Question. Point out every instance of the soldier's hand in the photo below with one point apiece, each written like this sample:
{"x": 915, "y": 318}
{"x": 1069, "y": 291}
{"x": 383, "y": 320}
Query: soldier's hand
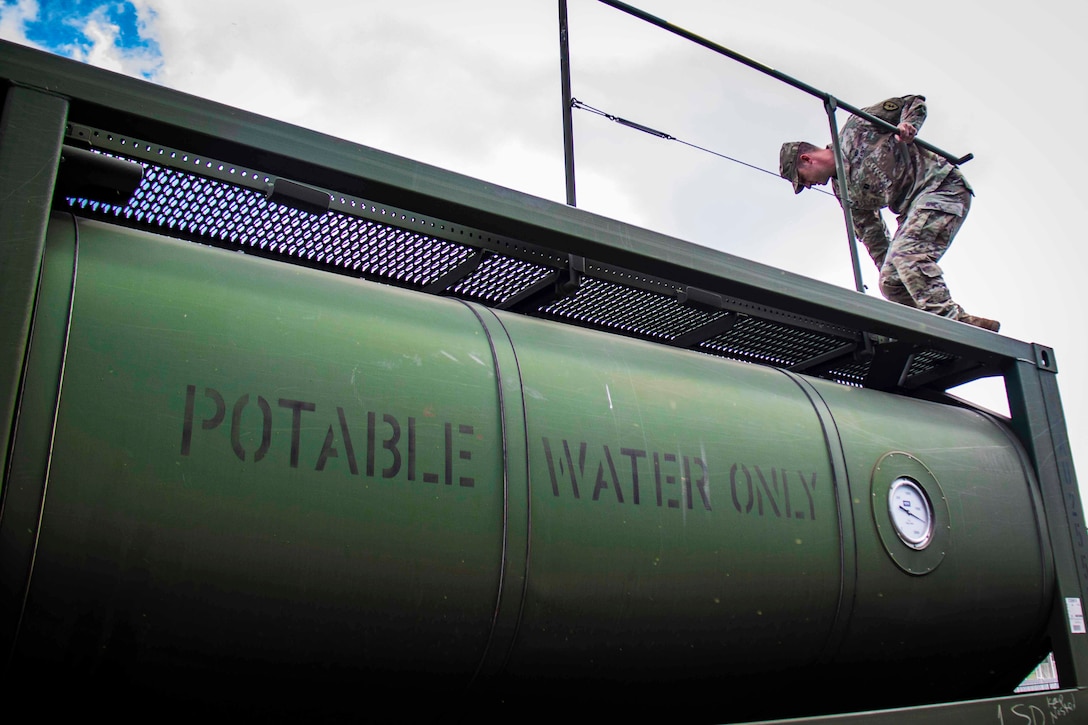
{"x": 907, "y": 132}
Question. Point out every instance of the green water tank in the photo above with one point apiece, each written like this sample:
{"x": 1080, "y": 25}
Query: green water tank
{"x": 266, "y": 478}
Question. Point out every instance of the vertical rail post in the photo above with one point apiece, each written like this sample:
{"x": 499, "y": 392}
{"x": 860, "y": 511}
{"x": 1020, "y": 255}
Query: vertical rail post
{"x": 1039, "y": 422}
{"x": 31, "y": 135}
{"x": 568, "y": 121}
{"x": 830, "y": 104}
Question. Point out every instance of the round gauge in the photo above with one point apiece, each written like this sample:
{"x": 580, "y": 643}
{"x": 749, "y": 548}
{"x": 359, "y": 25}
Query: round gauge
{"x": 907, "y": 499}
{"x": 911, "y": 513}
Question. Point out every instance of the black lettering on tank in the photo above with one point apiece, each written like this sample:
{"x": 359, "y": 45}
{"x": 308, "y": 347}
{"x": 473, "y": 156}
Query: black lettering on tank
{"x": 447, "y": 458}
{"x": 685, "y": 480}
{"x": 371, "y": 424}
{"x": 786, "y": 495}
{"x": 673, "y": 503}
{"x": 296, "y": 407}
{"x": 570, "y": 464}
{"x": 457, "y": 451}
{"x": 411, "y": 448}
{"x": 808, "y": 486}
{"x": 327, "y": 451}
{"x": 701, "y": 483}
{"x": 761, "y": 489}
{"x": 634, "y": 454}
{"x": 554, "y": 472}
{"x": 349, "y": 449}
{"x": 187, "y": 422}
{"x": 449, "y": 454}
{"x": 547, "y": 459}
{"x": 430, "y": 477}
{"x": 602, "y": 483}
{"x": 745, "y": 508}
{"x": 657, "y": 477}
{"x": 765, "y": 488}
{"x": 666, "y": 480}
{"x": 465, "y": 455}
{"x": 390, "y": 444}
{"x": 236, "y": 428}
{"x": 220, "y": 409}
{"x": 206, "y": 424}
{"x": 235, "y": 425}
{"x": 266, "y": 429}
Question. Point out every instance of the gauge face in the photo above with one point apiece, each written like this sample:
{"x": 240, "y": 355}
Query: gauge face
{"x": 911, "y": 513}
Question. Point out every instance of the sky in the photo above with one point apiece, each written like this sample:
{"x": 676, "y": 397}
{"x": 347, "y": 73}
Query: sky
{"x": 473, "y": 86}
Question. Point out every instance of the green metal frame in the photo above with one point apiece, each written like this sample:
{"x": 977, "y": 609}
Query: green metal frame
{"x": 31, "y": 134}
{"x": 44, "y": 93}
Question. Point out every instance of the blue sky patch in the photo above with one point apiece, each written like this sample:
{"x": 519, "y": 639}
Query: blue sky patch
{"x": 59, "y": 26}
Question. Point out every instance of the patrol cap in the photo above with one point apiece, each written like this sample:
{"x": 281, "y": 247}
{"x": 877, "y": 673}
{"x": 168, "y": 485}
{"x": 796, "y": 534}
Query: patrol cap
{"x": 787, "y": 165}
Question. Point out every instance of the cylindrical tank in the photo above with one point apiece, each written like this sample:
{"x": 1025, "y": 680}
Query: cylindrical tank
{"x": 268, "y": 478}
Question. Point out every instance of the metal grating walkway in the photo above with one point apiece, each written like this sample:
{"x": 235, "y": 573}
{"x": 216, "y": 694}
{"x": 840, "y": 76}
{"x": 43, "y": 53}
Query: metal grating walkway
{"x": 215, "y": 202}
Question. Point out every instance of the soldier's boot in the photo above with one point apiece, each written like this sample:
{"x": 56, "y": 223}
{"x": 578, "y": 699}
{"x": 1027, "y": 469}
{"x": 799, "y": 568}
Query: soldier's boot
{"x": 985, "y": 324}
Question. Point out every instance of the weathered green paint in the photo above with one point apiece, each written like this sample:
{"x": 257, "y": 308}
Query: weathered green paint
{"x": 996, "y": 577}
{"x": 280, "y": 471}
{"x": 30, "y": 455}
{"x": 201, "y": 554}
{"x": 674, "y": 557}
{"x": 31, "y": 129}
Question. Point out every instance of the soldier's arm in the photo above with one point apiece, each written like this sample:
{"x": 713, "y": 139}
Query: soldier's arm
{"x": 901, "y": 109}
{"x": 913, "y": 111}
{"x": 870, "y": 229}
{"x": 911, "y": 117}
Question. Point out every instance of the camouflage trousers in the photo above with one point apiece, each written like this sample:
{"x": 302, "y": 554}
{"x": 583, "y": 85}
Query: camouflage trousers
{"x": 910, "y": 274}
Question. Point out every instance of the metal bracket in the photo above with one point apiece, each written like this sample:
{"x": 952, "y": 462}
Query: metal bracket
{"x": 1044, "y": 358}
{"x": 298, "y": 196}
{"x": 700, "y": 299}
{"x": 86, "y": 175}
{"x": 711, "y": 302}
{"x": 561, "y": 283}
{"x": 576, "y": 270}
{"x": 889, "y": 366}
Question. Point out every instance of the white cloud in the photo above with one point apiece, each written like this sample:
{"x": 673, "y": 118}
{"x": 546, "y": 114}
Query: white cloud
{"x": 105, "y": 50}
{"x": 14, "y": 18}
{"x": 100, "y": 45}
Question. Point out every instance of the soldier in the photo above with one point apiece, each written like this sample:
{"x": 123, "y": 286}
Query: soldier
{"x": 885, "y": 169}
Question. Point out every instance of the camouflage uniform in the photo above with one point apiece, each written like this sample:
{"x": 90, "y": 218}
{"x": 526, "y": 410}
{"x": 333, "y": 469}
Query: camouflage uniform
{"x": 930, "y": 196}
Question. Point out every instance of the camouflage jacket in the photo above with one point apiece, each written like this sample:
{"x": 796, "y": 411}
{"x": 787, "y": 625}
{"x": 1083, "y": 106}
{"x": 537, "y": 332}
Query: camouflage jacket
{"x": 883, "y": 172}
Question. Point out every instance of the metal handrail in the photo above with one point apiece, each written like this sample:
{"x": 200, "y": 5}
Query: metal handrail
{"x": 800, "y": 85}
{"x": 830, "y": 105}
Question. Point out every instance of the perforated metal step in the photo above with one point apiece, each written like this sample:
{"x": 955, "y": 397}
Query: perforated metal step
{"x": 215, "y": 202}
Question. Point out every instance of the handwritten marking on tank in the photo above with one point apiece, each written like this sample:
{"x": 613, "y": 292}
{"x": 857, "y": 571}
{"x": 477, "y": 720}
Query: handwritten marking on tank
{"x": 1041, "y": 710}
